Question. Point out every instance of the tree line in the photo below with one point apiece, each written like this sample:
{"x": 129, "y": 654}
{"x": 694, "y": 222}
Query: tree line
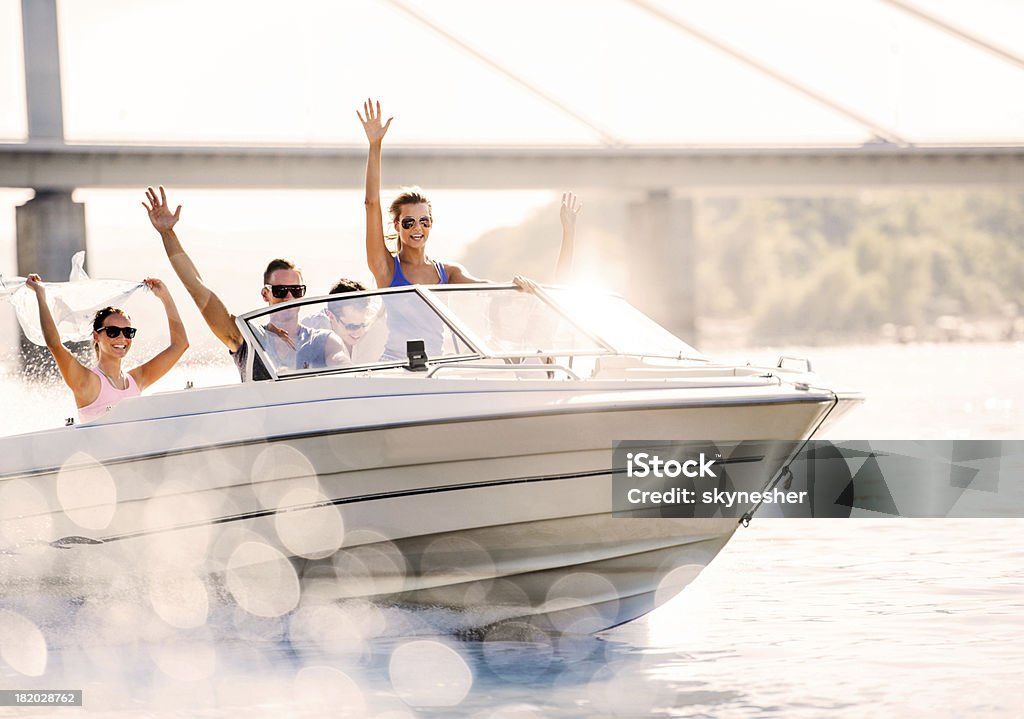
{"x": 805, "y": 268}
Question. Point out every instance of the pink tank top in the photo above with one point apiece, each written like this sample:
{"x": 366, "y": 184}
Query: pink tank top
{"x": 109, "y": 396}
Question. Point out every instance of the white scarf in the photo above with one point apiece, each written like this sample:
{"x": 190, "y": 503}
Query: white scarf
{"x": 73, "y": 303}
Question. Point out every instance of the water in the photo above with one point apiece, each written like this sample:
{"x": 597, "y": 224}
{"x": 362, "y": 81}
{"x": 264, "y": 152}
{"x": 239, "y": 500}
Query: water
{"x": 795, "y": 618}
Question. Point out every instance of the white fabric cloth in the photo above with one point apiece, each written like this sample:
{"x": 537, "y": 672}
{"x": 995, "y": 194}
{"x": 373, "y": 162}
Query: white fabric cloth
{"x": 8, "y": 286}
{"x": 73, "y": 303}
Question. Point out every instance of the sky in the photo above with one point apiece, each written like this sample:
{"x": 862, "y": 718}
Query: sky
{"x": 260, "y": 71}
{"x": 457, "y": 72}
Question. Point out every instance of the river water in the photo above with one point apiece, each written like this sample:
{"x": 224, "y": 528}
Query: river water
{"x": 795, "y": 618}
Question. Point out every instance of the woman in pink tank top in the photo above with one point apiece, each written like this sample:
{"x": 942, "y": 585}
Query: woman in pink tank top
{"x": 98, "y": 389}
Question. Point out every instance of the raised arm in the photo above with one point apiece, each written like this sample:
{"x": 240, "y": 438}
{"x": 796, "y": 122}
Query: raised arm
{"x": 378, "y": 259}
{"x": 568, "y": 213}
{"x": 220, "y": 321}
{"x": 148, "y": 373}
{"x": 84, "y": 384}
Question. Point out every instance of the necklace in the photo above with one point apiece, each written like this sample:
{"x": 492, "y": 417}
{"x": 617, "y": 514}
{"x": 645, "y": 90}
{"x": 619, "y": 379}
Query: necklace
{"x": 122, "y": 380}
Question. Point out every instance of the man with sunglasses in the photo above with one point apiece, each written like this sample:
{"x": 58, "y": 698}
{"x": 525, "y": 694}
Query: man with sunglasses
{"x": 354, "y": 321}
{"x": 282, "y": 281}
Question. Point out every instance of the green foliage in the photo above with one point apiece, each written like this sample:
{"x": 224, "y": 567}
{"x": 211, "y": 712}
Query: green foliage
{"x": 806, "y": 268}
{"x": 839, "y": 266}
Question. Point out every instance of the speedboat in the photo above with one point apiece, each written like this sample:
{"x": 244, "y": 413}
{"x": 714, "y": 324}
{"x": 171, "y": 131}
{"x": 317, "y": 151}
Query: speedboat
{"x": 448, "y": 447}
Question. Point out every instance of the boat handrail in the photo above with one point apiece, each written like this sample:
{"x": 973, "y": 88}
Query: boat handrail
{"x": 790, "y": 358}
{"x": 505, "y": 367}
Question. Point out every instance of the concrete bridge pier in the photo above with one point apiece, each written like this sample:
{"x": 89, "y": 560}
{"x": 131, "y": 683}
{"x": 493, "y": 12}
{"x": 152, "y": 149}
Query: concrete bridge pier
{"x": 50, "y": 230}
{"x": 663, "y": 234}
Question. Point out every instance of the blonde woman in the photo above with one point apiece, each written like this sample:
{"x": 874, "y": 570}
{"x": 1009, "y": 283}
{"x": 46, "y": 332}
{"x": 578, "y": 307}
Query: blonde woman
{"x": 412, "y": 218}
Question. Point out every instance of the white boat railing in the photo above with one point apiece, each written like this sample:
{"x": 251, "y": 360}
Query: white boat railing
{"x": 465, "y": 367}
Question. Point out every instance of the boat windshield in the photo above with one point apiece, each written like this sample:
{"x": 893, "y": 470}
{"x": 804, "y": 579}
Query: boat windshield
{"x": 507, "y": 322}
{"x": 622, "y": 326}
{"x": 351, "y": 330}
{"x": 372, "y": 329}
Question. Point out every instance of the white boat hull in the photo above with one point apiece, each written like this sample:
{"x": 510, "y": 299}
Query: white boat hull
{"x": 495, "y": 516}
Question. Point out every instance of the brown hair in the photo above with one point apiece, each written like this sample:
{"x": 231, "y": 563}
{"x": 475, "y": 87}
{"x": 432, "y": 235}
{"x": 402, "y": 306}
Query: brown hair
{"x": 408, "y": 196}
{"x": 278, "y": 264}
{"x": 346, "y": 285}
{"x": 100, "y": 317}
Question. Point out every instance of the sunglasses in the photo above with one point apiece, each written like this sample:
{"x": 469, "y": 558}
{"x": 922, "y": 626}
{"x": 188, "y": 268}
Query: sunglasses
{"x": 409, "y": 222}
{"x": 113, "y": 332}
{"x": 281, "y": 291}
{"x": 350, "y": 326}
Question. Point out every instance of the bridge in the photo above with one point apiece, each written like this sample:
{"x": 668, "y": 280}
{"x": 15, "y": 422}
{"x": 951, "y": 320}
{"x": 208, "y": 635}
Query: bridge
{"x": 768, "y": 170}
{"x": 659, "y": 182}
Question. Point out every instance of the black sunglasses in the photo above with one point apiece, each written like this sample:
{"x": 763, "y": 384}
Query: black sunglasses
{"x": 409, "y": 222}
{"x": 350, "y": 326}
{"x": 281, "y": 291}
{"x": 113, "y": 332}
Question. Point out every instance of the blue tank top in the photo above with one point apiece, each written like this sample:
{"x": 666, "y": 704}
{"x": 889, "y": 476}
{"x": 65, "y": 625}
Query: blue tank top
{"x": 409, "y": 318}
{"x": 398, "y": 278}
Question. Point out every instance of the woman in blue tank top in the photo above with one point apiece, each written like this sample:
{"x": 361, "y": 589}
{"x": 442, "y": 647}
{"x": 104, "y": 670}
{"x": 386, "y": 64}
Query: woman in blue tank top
{"x": 411, "y": 215}
{"x": 408, "y": 317}
{"x": 412, "y": 219}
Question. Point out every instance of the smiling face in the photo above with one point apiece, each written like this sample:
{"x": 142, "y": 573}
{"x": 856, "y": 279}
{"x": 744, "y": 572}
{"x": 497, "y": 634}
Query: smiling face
{"x": 115, "y": 347}
{"x": 414, "y": 214}
{"x": 349, "y": 324}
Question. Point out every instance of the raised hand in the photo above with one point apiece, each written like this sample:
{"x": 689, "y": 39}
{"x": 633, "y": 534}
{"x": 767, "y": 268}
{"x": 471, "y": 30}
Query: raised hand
{"x": 525, "y": 284}
{"x": 157, "y": 287}
{"x": 35, "y": 283}
{"x": 159, "y": 211}
{"x": 568, "y": 213}
{"x": 570, "y": 210}
{"x": 371, "y": 122}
